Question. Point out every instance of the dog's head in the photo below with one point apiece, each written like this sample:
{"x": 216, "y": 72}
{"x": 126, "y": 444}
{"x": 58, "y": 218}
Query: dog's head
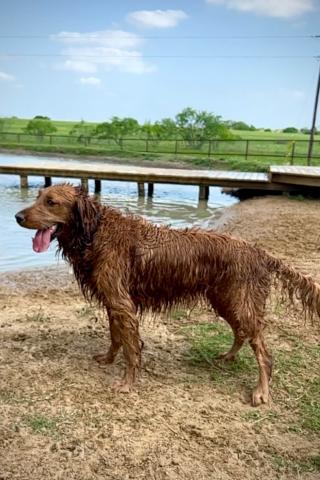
{"x": 56, "y": 208}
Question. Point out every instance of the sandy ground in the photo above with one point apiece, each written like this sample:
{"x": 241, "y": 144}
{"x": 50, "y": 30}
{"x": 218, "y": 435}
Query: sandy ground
{"x": 61, "y": 420}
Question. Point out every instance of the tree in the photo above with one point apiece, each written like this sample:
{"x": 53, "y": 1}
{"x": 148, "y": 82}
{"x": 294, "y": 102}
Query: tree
{"x": 241, "y": 126}
{"x": 163, "y": 130}
{"x": 83, "y": 131}
{"x": 117, "y": 129}
{"x": 41, "y": 117}
{"x": 3, "y": 124}
{"x": 196, "y": 126}
{"x": 40, "y": 127}
{"x": 290, "y": 130}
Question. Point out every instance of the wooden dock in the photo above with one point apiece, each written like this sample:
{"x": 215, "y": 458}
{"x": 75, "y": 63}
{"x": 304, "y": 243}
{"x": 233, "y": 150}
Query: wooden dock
{"x": 283, "y": 178}
{"x": 295, "y": 175}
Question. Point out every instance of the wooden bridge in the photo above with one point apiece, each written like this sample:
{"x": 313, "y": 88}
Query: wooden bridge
{"x": 283, "y": 178}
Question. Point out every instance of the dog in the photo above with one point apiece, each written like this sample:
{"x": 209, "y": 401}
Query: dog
{"x": 130, "y": 266}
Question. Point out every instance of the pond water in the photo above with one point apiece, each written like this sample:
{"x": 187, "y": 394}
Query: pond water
{"x": 176, "y": 205}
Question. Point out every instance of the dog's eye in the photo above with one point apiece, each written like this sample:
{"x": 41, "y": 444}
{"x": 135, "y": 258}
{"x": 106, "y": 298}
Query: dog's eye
{"x": 50, "y": 202}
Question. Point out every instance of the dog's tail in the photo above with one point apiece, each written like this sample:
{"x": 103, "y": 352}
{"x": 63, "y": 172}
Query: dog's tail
{"x": 297, "y": 286}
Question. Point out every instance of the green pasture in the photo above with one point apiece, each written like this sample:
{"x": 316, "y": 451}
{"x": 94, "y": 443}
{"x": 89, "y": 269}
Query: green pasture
{"x": 248, "y": 151}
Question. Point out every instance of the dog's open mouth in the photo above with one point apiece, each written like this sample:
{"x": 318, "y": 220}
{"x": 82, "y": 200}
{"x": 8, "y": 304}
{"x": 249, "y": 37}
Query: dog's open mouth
{"x": 42, "y": 239}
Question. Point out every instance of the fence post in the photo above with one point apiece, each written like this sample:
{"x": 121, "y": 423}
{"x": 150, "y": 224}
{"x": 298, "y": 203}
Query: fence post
{"x": 50, "y": 139}
{"x": 18, "y": 137}
{"x": 209, "y": 149}
{"x": 147, "y": 145}
{"x": 247, "y": 149}
{"x": 176, "y": 148}
{"x": 292, "y": 152}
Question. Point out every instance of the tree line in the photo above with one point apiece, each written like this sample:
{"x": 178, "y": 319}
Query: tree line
{"x": 190, "y": 125}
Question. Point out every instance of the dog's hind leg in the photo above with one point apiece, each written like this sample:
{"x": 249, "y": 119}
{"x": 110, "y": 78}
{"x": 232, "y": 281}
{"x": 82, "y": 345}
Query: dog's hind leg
{"x": 239, "y": 339}
{"x": 261, "y": 393}
{"x": 226, "y": 311}
{"x": 116, "y": 343}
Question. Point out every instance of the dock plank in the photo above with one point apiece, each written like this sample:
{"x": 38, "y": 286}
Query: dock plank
{"x": 139, "y": 174}
{"x": 296, "y": 175}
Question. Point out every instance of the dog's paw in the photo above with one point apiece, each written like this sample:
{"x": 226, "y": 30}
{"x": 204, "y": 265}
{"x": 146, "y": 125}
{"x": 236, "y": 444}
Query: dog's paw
{"x": 226, "y": 357}
{"x": 259, "y": 396}
{"x": 121, "y": 386}
{"x": 103, "y": 358}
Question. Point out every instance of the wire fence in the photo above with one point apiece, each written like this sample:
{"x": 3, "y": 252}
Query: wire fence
{"x": 287, "y": 151}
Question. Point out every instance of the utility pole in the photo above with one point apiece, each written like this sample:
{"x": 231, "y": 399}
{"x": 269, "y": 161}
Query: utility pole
{"x": 313, "y": 128}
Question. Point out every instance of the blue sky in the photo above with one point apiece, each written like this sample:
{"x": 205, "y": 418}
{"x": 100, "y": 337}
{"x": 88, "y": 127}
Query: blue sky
{"x": 103, "y": 58}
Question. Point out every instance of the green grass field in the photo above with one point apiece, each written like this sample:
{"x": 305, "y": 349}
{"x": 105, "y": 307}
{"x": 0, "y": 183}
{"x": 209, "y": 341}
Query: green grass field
{"x": 249, "y": 151}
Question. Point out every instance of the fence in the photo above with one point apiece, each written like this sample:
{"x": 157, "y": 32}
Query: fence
{"x": 265, "y": 150}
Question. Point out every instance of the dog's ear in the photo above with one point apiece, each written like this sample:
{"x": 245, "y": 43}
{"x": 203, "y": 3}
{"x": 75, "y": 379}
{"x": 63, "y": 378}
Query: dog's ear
{"x": 85, "y": 215}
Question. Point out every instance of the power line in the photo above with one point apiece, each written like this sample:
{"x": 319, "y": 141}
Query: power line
{"x": 75, "y": 55}
{"x": 100, "y": 36}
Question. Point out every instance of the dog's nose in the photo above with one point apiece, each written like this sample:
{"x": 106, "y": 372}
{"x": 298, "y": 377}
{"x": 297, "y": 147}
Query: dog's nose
{"x": 19, "y": 217}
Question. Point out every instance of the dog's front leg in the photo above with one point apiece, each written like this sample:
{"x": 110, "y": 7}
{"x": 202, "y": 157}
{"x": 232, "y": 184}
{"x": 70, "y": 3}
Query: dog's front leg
{"x": 123, "y": 312}
{"x": 116, "y": 343}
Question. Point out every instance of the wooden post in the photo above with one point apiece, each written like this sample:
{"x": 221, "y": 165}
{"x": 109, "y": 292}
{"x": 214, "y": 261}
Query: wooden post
{"x": 147, "y": 145}
{"x": 150, "y": 189}
{"x": 247, "y": 149}
{"x": 203, "y": 192}
{"x": 176, "y": 148}
{"x": 50, "y": 139}
{"x": 23, "y": 181}
{"x": 84, "y": 183}
{"x": 293, "y": 145}
{"x": 47, "y": 181}
{"x": 97, "y": 186}
{"x": 209, "y": 148}
{"x": 141, "y": 189}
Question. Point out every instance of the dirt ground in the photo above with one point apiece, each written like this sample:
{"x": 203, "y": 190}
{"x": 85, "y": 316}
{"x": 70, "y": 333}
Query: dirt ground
{"x": 189, "y": 416}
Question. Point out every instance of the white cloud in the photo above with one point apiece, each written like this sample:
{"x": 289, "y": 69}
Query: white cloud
{"x": 79, "y": 66}
{"x": 108, "y": 50}
{"x": 157, "y": 18}
{"x": 271, "y": 8}
{"x": 6, "y": 77}
{"x": 90, "y": 81}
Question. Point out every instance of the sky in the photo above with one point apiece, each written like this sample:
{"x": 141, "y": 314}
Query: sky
{"x": 249, "y": 60}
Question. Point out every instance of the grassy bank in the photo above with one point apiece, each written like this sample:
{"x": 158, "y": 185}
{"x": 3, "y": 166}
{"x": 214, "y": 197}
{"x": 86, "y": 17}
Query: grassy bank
{"x": 247, "y": 151}
{"x": 198, "y": 161}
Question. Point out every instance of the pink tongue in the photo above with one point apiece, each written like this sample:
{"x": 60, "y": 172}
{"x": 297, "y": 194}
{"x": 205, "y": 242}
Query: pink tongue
{"x": 41, "y": 242}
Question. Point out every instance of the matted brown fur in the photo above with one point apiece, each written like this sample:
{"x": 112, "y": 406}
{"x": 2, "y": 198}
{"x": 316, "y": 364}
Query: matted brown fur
{"x": 129, "y": 266}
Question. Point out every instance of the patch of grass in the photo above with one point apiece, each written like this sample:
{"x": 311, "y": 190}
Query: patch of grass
{"x": 296, "y": 383}
{"x": 257, "y": 416}
{"x": 208, "y": 341}
{"x": 41, "y": 424}
{"x": 310, "y": 406}
{"x": 178, "y": 314}
{"x": 86, "y": 311}
{"x": 297, "y": 375}
{"x": 38, "y": 316}
{"x": 284, "y": 464}
{"x": 297, "y": 198}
